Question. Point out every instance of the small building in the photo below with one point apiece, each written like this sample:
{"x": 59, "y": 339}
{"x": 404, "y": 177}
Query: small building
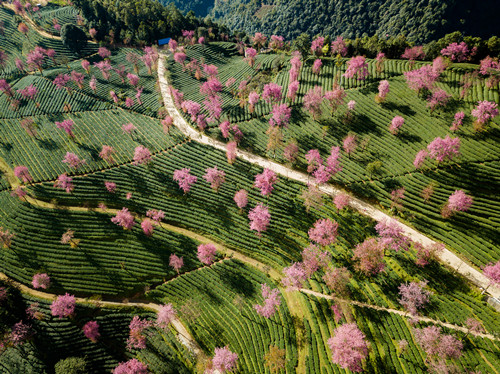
{"x": 164, "y": 41}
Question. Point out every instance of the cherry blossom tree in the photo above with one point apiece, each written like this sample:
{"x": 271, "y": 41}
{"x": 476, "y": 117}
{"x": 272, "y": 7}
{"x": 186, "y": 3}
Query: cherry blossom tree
{"x": 414, "y": 53}
{"x": 341, "y": 201}
{"x": 66, "y": 125}
{"x": 136, "y": 338}
{"x": 241, "y": 198}
{"x": 369, "y": 257}
{"x": 291, "y": 151}
{"x": 312, "y": 101}
{"x": 176, "y": 262}
{"x": 259, "y": 218}
{"x": 231, "y": 152}
{"x": 272, "y": 93}
{"x": 281, "y": 114}
{"x": 438, "y": 347}
{"x": 335, "y": 98}
{"x": 184, "y": 179}
{"x": 413, "y": 296}
{"x": 64, "y": 182}
{"x": 338, "y": 47}
{"x": 265, "y": 181}
{"x": 293, "y": 87}
{"x": 215, "y": 177}
{"x": 484, "y": 112}
{"x": 63, "y": 306}
{"x": 166, "y": 315}
{"x": 147, "y": 227}
{"x": 124, "y": 219}
{"x": 250, "y": 54}
{"x": 133, "y": 366}
{"x": 272, "y": 301}
{"x": 211, "y": 87}
{"x": 350, "y": 143}
{"x": 396, "y": 124}
{"x": 29, "y": 92}
{"x": 457, "y": 121}
{"x": 314, "y": 160}
{"x": 142, "y": 156}
{"x": 294, "y": 276}
{"x": 276, "y": 42}
{"x": 206, "y": 253}
{"x": 383, "y": 91}
{"x": 253, "y": 99}
{"x": 107, "y": 153}
{"x": 456, "y": 52}
{"x": 224, "y": 360}
{"x": 492, "y": 272}
{"x": 459, "y": 201}
{"x": 444, "y": 149}
{"x": 313, "y": 259}
{"x": 357, "y": 67}
{"x": 67, "y": 237}
{"x": 155, "y": 215}
{"x": 392, "y": 235}
{"x": 41, "y": 280}
{"x": 421, "y": 79}
{"x": 22, "y": 173}
{"x": 73, "y": 161}
{"x": 317, "y": 46}
{"x": 420, "y": 158}
{"x": 324, "y": 232}
{"x": 316, "y": 68}
{"x": 91, "y": 331}
{"x": 427, "y": 254}
{"x": 349, "y": 347}
{"x": 93, "y": 84}
{"x": 439, "y": 98}
{"x": 20, "y": 333}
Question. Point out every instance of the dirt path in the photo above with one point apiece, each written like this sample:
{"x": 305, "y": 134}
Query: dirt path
{"x": 33, "y": 25}
{"x": 446, "y": 257}
{"x": 185, "y": 337}
{"x": 399, "y": 312}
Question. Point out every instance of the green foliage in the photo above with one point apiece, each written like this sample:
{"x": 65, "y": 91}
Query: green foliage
{"x": 419, "y": 20}
{"x": 71, "y": 365}
{"x": 11, "y": 308}
{"x": 302, "y": 44}
{"x": 374, "y": 167}
{"x": 73, "y": 38}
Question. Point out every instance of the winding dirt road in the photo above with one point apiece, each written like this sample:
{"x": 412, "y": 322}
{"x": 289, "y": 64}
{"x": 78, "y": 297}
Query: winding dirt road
{"x": 447, "y": 257}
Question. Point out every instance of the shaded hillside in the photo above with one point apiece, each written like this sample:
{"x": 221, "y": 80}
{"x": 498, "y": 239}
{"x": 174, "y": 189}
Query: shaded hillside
{"x": 420, "y": 20}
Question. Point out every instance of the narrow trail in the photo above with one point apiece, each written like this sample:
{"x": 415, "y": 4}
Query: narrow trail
{"x": 184, "y": 336}
{"x": 33, "y": 25}
{"x": 447, "y": 257}
{"x": 399, "y": 312}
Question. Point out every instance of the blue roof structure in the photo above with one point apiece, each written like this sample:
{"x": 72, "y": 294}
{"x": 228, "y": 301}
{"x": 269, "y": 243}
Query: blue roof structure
{"x": 164, "y": 41}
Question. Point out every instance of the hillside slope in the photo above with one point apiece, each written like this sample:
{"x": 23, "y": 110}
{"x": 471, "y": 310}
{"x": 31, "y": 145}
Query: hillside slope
{"x": 419, "y": 20}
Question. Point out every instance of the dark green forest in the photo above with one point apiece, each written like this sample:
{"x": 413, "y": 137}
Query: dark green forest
{"x": 419, "y": 20}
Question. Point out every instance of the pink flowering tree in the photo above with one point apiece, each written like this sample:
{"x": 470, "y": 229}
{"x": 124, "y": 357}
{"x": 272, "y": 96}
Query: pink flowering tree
{"x": 293, "y": 87}
{"x": 396, "y": 124}
{"x": 184, "y": 179}
{"x": 223, "y": 361}
{"x": 253, "y": 99}
{"x": 64, "y": 182}
{"x": 438, "y": 347}
{"x": 439, "y": 98}
{"x": 137, "y": 338}
{"x": 422, "y": 79}
{"x": 484, "y": 113}
{"x": 280, "y": 115}
{"x": 107, "y": 153}
{"x": 142, "y": 156}
{"x": 337, "y": 280}
{"x": 392, "y": 235}
{"x": 206, "y": 253}
{"x": 231, "y": 152}
{"x": 414, "y": 296}
{"x": 276, "y": 42}
{"x": 294, "y": 276}
{"x": 350, "y": 143}
{"x": 265, "y": 181}
{"x": 176, "y": 262}
{"x": 456, "y": 52}
{"x": 250, "y": 55}
{"x": 312, "y": 101}
{"x": 241, "y": 198}
{"x": 73, "y": 161}
{"x": 165, "y": 316}
{"x": 444, "y": 149}
{"x": 41, "y": 280}
{"x": 357, "y": 67}
{"x": 369, "y": 257}
{"x": 317, "y": 46}
{"x": 147, "y": 227}
{"x": 427, "y": 254}
{"x": 341, "y": 201}
{"x": 124, "y": 219}
{"x": 272, "y": 93}
{"x": 19, "y": 334}
{"x": 91, "y": 331}
{"x": 66, "y": 125}
{"x": 313, "y": 259}
{"x": 383, "y": 91}
{"x": 492, "y": 272}
{"x": 335, "y": 98}
{"x": 349, "y": 347}
{"x": 338, "y": 47}
{"x": 215, "y": 177}
{"x": 420, "y": 158}
{"x": 324, "y": 232}
{"x": 414, "y": 53}
{"x": 133, "y": 366}
{"x": 459, "y": 201}
{"x": 272, "y": 301}
{"x": 63, "y": 306}
{"x": 316, "y": 67}
{"x": 259, "y": 218}
{"x": 23, "y": 174}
